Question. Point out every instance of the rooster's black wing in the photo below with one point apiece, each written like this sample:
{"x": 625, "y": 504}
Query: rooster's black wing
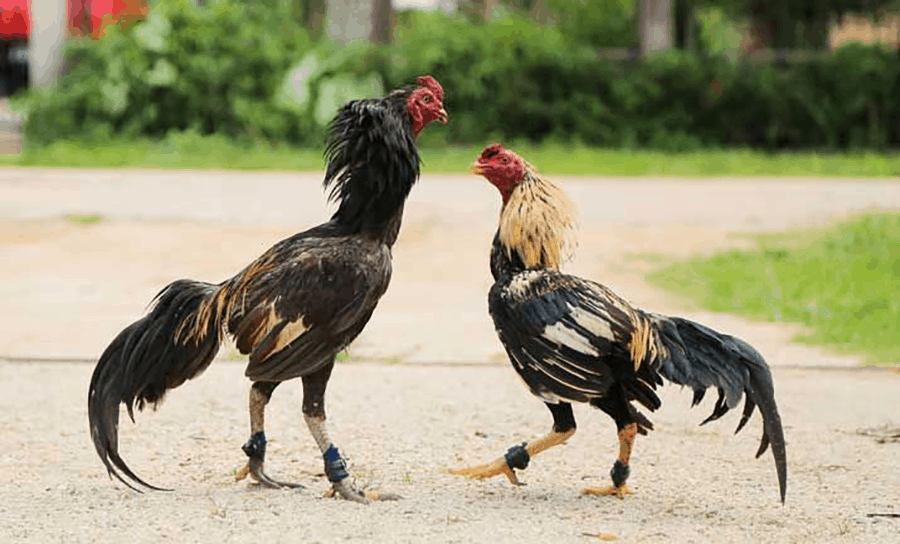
{"x": 568, "y": 338}
{"x": 297, "y": 315}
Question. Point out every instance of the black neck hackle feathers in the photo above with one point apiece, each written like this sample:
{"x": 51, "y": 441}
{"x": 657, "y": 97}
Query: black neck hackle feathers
{"x": 372, "y": 162}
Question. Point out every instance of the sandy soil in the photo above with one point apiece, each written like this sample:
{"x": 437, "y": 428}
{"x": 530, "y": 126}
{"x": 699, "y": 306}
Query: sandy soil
{"x": 427, "y": 387}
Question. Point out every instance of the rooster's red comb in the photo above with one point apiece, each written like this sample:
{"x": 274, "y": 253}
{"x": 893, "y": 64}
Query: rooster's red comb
{"x": 490, "y": 151}
{"x": 432, "y": 85}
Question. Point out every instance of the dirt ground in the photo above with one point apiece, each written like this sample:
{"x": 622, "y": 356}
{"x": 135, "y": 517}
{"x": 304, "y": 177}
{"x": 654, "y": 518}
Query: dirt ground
{"x": 427, "y": 387}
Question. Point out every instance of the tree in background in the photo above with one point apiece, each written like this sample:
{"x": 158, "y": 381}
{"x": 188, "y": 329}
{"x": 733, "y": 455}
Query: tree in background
{"x": 655, "y": 27}
{"x": 658, "y": 25}
{"x": 312, "y": 16}
{"x": 540, "y": 11}
{"x": 478, "y": 11}
{"x": 347, "y": 20}
{"x": 785, "y": 24}
{"x": 381, "y": 22}
{"x": 685, "y": 22}
{"x": 597, "y": 23}
{"x": 647, "y": 24}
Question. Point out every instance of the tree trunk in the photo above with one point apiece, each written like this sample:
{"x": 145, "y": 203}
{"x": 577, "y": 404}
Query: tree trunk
{"x": 684, "y": 24}
{"x": 655, "y": 26}
{"x": 48, "y": 36}
{"x": 477, "y": 11}
{"x": 381, "y": 22}
{"x": 763, "y": 28}
{"x": 349, "y": 20}
{"x": 762, "y": 34}
{"x": 540, "y": 12}
{"x": 314, "y": 12}
{"x": 815, "y": 33}
{"x": 488, "y": 9}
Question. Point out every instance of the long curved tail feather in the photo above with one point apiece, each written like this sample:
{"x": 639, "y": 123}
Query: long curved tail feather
{"x": 699, "y": 357}
{"x": 174, "y": 342}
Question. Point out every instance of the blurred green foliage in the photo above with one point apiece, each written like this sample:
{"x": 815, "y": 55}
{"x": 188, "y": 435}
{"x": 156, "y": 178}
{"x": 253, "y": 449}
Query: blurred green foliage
{"x": 227, "y": 67}
{"x": 511, "y": 79}
{"x": 796, "y": 23}
{"x": 250, "y": 72}
{"x": 840, "y": 282}
{"x": 610, "y": 23}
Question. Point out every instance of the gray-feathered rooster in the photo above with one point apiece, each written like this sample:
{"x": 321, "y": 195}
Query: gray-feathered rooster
{"x": 292, "y": 309}
{"x": 573, "y": 340}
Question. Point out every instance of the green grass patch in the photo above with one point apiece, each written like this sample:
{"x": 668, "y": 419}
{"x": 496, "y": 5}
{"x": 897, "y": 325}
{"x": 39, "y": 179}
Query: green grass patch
{"x": 843, "y": 283}
{"x": 86, "y": 220}
{"x": 214, "y": 152}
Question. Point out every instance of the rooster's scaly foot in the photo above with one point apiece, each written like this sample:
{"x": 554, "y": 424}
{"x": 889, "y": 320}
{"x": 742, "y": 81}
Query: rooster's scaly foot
{"x": 346, "y": 491}
{"x": 488, "y": 470}
{"x": 254, "y": 469}
{"x": 609, "y": 491}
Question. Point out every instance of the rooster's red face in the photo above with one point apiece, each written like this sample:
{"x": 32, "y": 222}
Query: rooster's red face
{"x": 426, "y": 104}
{"x": 501, "y": 167}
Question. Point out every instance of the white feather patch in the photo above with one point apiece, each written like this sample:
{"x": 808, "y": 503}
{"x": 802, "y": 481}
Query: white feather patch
{"x": 561, "y": 335}
{"x": 519, "y": 284}
{"x": 598, "y": 326}
{"x": 595, "y": 324}
{"x": 568, "y": 367}
{"x": 547, "y": 396}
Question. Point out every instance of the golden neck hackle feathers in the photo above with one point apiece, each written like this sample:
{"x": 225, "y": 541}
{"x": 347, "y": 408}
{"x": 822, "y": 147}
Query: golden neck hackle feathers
{"x": 538, "y": 222}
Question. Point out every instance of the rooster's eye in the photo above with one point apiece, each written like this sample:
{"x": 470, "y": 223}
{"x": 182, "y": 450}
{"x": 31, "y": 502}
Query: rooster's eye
{"x": 426, "y": 99}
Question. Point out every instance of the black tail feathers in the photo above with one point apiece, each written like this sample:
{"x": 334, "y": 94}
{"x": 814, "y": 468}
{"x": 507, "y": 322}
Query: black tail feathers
{"x": 700, "y": 357}
{"x": 175, "y": 342}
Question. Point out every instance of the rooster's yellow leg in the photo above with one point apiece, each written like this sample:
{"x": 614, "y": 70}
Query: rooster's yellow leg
{"x": 517, "y": 457}
{"x": 609, "y": 491}
{"x": 619, "y": 472}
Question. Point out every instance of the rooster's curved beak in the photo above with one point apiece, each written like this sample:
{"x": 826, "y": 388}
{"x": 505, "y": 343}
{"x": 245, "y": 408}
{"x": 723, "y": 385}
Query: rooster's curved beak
{"x": 476, "y": 169}
{"x": 443, "y": 118}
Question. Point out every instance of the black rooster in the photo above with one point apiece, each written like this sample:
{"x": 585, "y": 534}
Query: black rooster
{"x": 295, "y": 307}
{"x": 573, "y": 340}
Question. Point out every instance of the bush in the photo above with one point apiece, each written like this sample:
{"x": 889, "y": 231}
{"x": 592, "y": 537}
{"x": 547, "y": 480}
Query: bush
{"x": 210, "y": 69}
{"x": 242, "y": 70}
{"x": 249, "y": 72}
{"x": 611, "y": 23}
{"x": 511, "y": 79}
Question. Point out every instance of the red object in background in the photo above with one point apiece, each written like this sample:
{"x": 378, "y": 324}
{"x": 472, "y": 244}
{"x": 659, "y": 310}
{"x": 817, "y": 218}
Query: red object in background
{"x": 15, "y": 19}
{"x": 15, "y": 22}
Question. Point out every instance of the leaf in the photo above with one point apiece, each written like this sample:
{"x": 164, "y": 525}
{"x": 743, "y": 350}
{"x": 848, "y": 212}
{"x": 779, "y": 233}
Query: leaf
{"x": 163, "y": 74}
{"x": 297, "y": 88}
{"x": 115, "y": 97}
{"x": 116, "y": 68}
{"x": 154, "y": 32}
{"x": 334, "y": 92}
{"x": 347, "y": 57}
{"x": 371, "y": 85}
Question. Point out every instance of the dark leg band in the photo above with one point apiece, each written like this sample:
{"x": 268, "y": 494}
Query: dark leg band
{"x": 619, "y": 473}
{"x": 335, "y": 467}
{"x": 517, "y": 457}
{"x": 256, "y": 446}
